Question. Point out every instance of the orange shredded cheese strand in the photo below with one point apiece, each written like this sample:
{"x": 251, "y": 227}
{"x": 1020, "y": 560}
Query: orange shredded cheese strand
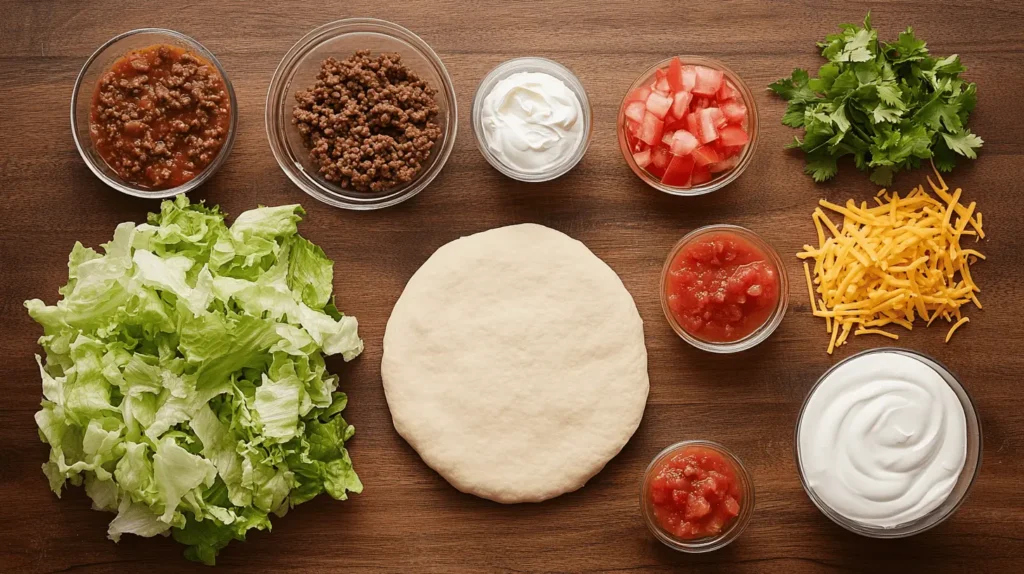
{"x": 892, "y": 336}
{"x": 893, "y": 263}
{"x": 956, "y": 326}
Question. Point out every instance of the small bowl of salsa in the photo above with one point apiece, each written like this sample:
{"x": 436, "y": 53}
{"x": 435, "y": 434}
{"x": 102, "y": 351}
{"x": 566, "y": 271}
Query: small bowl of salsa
{"x": 724, "y": 289}
{"x": 153, "y": 113}
{"x": 696, "y": 496}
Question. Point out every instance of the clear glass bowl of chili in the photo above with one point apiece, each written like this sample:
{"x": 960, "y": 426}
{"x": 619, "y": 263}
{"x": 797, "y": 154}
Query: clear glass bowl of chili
{"x": 298, "y": 70}
{"x": 724, "y": 289}
{"x": 727, "y": 171}
{"x": 84, "y": 94}
{"x": 696, "y": 496}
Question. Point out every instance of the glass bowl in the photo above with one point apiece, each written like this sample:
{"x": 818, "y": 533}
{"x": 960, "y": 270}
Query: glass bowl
{"x": 551, "y": 68}
{"x": 720, "y": 180}
{"x": 298, "y": 70}
{"x": 963, "y": 484}
{"x": 707, "y": 544}
{"x": 85, "y": 86}
{"x": 762, "y": 332}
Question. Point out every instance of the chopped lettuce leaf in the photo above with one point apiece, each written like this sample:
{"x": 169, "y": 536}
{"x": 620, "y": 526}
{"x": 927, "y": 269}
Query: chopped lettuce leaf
{"x": 184, "y": 382}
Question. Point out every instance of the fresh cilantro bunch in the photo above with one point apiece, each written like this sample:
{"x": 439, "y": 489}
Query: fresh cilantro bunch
{"x": 888, "y": 105}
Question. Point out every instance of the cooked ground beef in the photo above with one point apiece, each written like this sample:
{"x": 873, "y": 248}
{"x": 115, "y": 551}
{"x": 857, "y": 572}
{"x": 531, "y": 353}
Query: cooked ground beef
{"x": 369, "y": 123}
{"x": 160, "y": 116}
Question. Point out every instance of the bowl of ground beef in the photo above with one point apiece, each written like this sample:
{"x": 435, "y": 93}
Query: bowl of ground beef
{"x": 153, "y": 113}
{"x": 361, "y": 114}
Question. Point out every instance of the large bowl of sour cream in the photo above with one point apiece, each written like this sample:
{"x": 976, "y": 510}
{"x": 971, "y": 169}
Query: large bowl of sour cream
{"x": 888, "y": 443}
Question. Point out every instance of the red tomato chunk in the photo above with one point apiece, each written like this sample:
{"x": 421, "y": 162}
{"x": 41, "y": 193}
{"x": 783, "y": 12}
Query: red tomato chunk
{"x": 685, "y": 106}
{"x": 721, "y": 287}
{"x": 695, "y": 493}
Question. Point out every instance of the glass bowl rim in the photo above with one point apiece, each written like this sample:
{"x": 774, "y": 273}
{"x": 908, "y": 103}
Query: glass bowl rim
{"x": 117, "y": 184}
{"x": 276, "y": 94}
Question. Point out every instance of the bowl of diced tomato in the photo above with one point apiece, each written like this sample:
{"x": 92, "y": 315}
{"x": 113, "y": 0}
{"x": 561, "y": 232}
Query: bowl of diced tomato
{"x": 688, "y": 126}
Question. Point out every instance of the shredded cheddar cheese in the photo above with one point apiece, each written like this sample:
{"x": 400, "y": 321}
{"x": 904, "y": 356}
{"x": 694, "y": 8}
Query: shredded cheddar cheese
{"x": 892, "y": 263}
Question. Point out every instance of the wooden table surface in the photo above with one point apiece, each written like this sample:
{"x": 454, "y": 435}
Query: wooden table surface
{"x": 409, "y": 519}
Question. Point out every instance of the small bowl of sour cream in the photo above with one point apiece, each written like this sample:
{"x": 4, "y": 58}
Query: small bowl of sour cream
{"x": 888, "y": 443}
{"x": 532, "y": 119}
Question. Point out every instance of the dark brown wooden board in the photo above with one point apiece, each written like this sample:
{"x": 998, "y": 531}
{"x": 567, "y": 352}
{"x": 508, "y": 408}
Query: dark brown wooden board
{"x": 409, "y": 519}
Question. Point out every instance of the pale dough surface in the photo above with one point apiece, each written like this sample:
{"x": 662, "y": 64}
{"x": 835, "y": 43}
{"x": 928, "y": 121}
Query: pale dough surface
{"x": 514, "y": 363}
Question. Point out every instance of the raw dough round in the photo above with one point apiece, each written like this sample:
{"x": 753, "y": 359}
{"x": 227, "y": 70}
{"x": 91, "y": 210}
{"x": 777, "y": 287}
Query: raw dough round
{"x": 514, "y": 363}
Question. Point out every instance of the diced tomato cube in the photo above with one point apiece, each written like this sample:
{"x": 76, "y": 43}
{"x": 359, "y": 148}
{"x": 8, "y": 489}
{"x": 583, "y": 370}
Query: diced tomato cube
{"x": 631, "y": 142}
{"x": 683, "y": 142}
{"x": 635, "y": 111}
{"x": 632, "y": 128}
{"x": 708, "y": 131}
{"x": 666, "y": 137}
{"x": 729, "y": 150}
{"x": 660, "y": 73}
{"x": 718, "y": 116}
{"x": 725, "y": 164}
{"x": 678, "y": 171}
{"x": 708, "y": 81}
{"x": 689, "y": 78}
{"x": 681, "y": 103}
{"x": 700, "y": 175}
{"x": 705, "y": 155}
{"x": 650, "y": 129}
{"x": 735, "y": 112}
{"x": 658, "y": 104}
{"x": 714, "y": 525}
{"x": 655, "y": 171}
{"x": 672, "y": 123}
{"x": 663, "y": 86}
{"x": 639, "y": 95}
{"x": 693, "y": 123}
{"x": 727, "y": 92}
{"x": 660, "y": 157}
{"x": 697, "y": 507}
{"x": 675, "y": 75}
{"x": 731, "y": 506}
{"x": 643, "y": 158}
{"x": 733, "y": 136}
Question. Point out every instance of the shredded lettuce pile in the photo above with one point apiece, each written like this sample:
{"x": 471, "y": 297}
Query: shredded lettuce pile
{"x": 184, "y": 383}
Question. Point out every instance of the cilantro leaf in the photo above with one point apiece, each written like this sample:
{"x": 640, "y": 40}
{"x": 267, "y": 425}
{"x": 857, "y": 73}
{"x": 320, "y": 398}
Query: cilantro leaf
{"x": 794, "y": 116}
{"x": 882, "y": 113}
{"x": 943, "y": 158}
{"x": 821, "y": 166}
{"x": 882, "y": 176}
{"x": 890, "y": 94}
{"x": 794, "y": 88}
{"x": 963, "y": 143}
{"x": 907, "y": 48}
{"x": 890, "y": 105}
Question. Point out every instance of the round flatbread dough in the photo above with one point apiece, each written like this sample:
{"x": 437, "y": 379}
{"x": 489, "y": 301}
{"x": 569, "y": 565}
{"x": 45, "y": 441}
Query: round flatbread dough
{"x": 514, "y": 363}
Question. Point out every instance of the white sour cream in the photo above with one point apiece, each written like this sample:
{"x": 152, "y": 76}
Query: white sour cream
{"x": 883, "y": 439}
{"x": 532, "y": 121}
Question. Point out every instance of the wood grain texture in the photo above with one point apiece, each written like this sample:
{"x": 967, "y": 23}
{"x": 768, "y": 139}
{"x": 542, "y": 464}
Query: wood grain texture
{"x": 409, "y": 519}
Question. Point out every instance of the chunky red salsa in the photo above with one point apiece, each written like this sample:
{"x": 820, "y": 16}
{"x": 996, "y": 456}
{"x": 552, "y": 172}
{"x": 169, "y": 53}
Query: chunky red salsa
{"x": 160, "y": 115}
{"x": 695, "y": 493}
{"x": 721, "y": 287}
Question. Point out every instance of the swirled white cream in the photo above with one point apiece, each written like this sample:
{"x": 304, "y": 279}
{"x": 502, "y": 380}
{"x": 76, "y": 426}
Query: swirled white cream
{"x": 883, "y": 439}
{"x": 532, "y": 121}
